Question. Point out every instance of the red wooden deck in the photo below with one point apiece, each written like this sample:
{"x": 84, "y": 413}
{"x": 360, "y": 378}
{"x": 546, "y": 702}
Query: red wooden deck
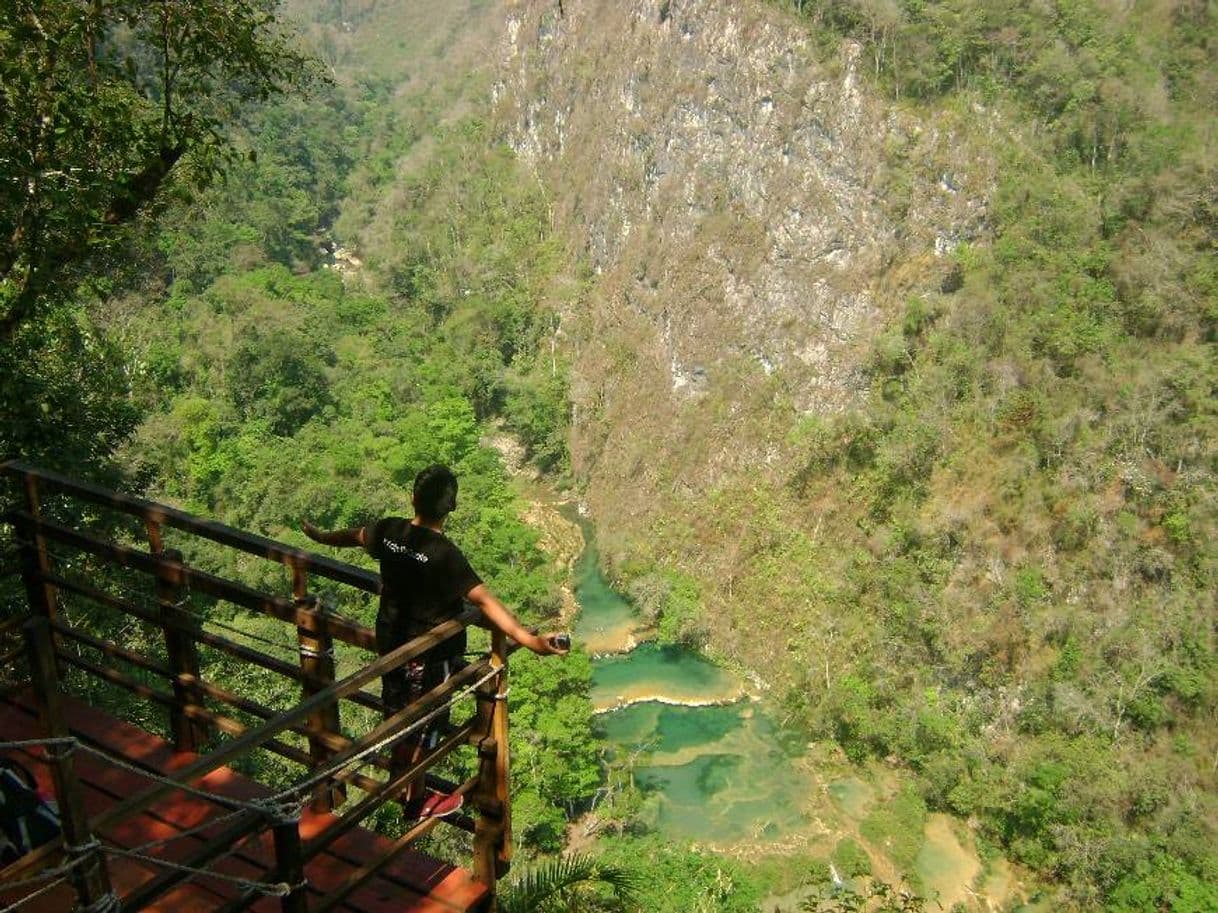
{"x": 413, "y": 883}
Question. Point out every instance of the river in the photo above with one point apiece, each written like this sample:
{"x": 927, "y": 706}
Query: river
{"x": 718, "y": 770}
{"x": 716, "y": 767}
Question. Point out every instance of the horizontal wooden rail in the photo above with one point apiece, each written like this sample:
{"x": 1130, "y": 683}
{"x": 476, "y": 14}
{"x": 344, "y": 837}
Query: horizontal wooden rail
{"x": 335, "y": 741}
{"x": 13, "y": 625}
{"x": 150, "y": 511}
{"x": 352, "y": 818}
{"x": 360, "y": 876}
{"x": 109, "y": 648}
{"x": 217, "y": 721}
{"x": 214, "y": 846}
{"x": 323, "y": 623}
{"x": 216, "y": 641}
{"x": 199, "y": 701}
{"x": 232, "y": 727}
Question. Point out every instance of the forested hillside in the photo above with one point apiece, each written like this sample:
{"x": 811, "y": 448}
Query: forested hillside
{"x": 1032, "y": 480}
{"x": 995, "y": 567}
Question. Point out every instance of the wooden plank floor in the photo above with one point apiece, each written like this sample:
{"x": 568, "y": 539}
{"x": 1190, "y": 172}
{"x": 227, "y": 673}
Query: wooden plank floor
{"x": 414, "y": 883}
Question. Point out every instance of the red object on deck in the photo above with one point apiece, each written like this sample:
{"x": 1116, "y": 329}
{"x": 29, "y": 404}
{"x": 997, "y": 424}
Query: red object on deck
{"x": 414, "y": 883}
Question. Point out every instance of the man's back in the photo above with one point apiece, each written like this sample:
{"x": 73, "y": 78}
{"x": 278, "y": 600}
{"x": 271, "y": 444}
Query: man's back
{"x": 424, "y": 577}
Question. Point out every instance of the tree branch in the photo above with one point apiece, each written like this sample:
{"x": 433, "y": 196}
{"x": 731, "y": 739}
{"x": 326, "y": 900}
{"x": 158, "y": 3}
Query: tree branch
{"x": 139, "y": 190}
{"x": 142, "y": 188}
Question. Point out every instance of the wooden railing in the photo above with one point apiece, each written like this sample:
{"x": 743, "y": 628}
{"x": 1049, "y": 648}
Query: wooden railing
{"x": 174, "y": 606}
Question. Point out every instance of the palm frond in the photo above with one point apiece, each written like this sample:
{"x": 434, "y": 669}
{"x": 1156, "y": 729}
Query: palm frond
{"x": 538, "y": 888}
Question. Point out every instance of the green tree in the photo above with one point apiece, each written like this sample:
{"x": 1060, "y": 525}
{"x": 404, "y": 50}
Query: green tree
{"x": 100, "y": 104}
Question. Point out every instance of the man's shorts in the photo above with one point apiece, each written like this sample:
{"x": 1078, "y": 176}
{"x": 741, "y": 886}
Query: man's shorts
{"x": 408, "y": 683}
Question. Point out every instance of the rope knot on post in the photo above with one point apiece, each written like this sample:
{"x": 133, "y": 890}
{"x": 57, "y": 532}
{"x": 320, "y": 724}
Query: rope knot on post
{"x": 278, "y": 812}
{"x": 79, "y": 850}
{"x": 107, "y": 903}
{"x": 283, "y": 889}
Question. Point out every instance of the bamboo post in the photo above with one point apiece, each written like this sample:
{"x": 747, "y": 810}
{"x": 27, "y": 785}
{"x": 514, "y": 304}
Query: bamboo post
{"x": 289, "y": 863}
{"x": 317, "y": 664}
{"x": 499, "y": 656}
{"x": 493, "y": 829}
{"x": 90, "y": 878}
{"x": 181, "y": 651}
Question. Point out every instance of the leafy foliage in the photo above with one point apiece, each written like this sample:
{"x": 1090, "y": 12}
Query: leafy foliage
{"x": 275, "y": 393}
{"x": 1035, "y": 460}
{"x": 677, "y": 879}
{"x": 554, "y": 884}
{"x": 100, "y": 103}
{"x": 872, "y": 896}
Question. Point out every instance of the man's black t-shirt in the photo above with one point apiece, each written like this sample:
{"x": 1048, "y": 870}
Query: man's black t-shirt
{"x": 424, "y": 577}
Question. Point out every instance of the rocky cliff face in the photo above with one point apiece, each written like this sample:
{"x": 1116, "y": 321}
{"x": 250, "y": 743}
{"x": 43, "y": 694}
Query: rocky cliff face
{"x": 752, "y": 214}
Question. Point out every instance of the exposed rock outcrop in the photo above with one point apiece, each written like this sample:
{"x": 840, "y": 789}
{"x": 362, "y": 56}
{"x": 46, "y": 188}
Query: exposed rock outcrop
{"x": 751, "y": 212}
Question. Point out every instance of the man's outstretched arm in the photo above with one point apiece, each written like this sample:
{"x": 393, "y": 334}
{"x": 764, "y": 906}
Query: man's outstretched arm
{"x": 498, "y": 617}
{"x": 353, "y": 537}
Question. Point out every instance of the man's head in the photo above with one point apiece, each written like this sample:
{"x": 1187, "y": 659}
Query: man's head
{"x": 435, "y": 493}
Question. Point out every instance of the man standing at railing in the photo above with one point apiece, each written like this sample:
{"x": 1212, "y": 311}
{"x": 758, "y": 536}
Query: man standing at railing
{"x": 424, "y": 578}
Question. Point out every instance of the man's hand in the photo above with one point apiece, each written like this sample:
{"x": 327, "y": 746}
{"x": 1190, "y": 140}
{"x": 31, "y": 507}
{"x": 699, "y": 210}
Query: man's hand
{"x": 498, "y": 618}
{"x": 343, "y": 538}
{"x": 546, "y": 645}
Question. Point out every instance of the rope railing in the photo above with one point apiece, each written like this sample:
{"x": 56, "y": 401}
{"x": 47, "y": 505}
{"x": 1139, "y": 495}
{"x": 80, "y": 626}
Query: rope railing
{"x": 59, "y": 565}
{"x": 279, "y": 807}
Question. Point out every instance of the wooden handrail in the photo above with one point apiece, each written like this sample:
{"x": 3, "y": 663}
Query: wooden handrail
{"x": 216, "y": 721}
{"x": 361, "y": 875}
{"x": 256, "y": 737}
{"x": 151, "y": 511}
{"x": 109, "y": 648}
{"x": 315, "y": 717}
{"x": 216, "y": 845}
{"x": 337, "y": 626}
{"x": 388, "y": 790}
{"x": 216, "y": 641}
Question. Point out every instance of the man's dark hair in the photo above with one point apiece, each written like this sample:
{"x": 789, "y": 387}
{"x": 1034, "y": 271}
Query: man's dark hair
{"x": 435, "y": 492}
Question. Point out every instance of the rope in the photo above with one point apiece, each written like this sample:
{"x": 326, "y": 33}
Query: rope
{"x": 36, "y": 743}
{"x": 226, "y": 801}
{"x": 87, "y": 847}
{"x": 274, "y": 807}
{"x": 249, "y": 635}
{"x": 57, "y": 873}
{"x": 108, "y": 903}
{"x": 271, "y": 889}
{"x": 326, "y": 774}
{"x": 36, "y": 894}
{"x": 190, "y": 832}
{"x": 260, "y": 805}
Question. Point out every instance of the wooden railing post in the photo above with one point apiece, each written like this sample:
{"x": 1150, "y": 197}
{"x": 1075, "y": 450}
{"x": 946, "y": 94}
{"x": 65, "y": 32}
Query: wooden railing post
{"x": 289, "y": 863}
{"x": 499, "y": 655}
{"x": 317, "y": 664}
{"x": 181, "y": 650}
{"x": 90, "y": 878}
{"x": 36, "y": 563}
{"x": 493, "y": 829}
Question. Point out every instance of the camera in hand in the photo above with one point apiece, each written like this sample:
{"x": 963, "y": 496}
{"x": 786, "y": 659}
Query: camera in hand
{"x": 561, "y": 641}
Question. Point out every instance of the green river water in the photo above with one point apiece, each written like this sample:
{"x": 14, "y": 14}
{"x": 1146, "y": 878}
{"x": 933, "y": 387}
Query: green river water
{"x": 717, "y": 769}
